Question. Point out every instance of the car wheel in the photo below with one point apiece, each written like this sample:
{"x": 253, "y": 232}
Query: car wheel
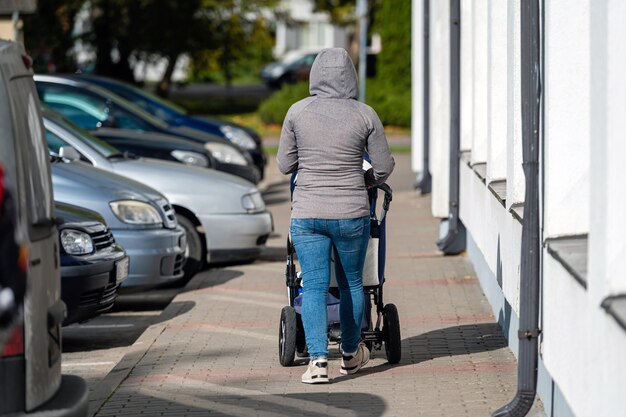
{"x": 194, "y": 251}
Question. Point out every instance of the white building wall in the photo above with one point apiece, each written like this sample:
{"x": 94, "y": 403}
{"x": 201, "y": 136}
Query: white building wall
{"x": 608, "y": 197}
{"x": 417, "y": 90}
{"x": 467, "y": 76}
{"x": 480, "y": 63}
{"x": 566, "y": 100}
{"x": 515, "y": 180}
{"x": 440, "y": 105}
{"x": 497, "y": 27}
{"x": 583, "y": 186}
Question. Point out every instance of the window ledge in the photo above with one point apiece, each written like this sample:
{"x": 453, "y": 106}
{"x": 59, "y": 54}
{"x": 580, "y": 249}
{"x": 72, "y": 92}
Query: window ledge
{"x": 466, "y": 157}
{"x": 615, "y": 305}
{"x": 517, "y": 210}
{"x": 480, "y": 169}
{"x": 571, "y": 252}
{"x": 498, "y": 189}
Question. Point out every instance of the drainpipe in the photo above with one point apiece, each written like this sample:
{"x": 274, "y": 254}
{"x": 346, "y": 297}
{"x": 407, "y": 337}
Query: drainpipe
{"x": 530, "y": 261}
{"x": 425, "y": 184}
{"x": 454, "y": 241}
{"x": 363, "y": 17}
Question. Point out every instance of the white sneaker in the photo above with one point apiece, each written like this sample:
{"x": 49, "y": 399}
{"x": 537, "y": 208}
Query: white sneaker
{"x": 352, "y": 363}
{"x": 316, "y": 372}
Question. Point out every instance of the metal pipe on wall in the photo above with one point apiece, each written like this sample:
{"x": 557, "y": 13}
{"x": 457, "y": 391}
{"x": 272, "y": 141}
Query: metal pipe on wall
{"x": 530, "y": 257}
{"x": 425, "y": 184}
{"x": 454, "y": 241}
{"x": 362, "y": 13}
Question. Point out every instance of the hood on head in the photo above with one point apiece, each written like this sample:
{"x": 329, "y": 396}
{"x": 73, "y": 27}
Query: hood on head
{"x": 333, "y": 75}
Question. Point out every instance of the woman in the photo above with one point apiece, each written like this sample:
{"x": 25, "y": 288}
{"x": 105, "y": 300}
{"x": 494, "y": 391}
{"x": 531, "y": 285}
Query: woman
{"x": 323, "y": 138}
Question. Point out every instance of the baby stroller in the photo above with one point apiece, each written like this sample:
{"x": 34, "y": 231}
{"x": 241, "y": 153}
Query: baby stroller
{"x": 385, "y": 329}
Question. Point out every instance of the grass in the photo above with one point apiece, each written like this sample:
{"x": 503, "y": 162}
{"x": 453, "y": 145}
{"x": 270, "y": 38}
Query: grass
{"x": 395, "y": 149}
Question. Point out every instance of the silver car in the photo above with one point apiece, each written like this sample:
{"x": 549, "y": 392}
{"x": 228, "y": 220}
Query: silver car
{"x": 140, "y": 218}
{"x": 224, "y": 216}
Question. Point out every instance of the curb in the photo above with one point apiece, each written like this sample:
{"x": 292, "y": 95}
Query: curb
{"x": 107, "y": 387}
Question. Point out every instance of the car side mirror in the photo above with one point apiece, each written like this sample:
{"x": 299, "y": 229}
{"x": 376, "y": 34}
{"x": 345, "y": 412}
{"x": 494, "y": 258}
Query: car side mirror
{"x": 69, "y": 153}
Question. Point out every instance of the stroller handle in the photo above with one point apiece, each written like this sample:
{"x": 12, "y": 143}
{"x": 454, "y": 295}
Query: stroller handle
{"x": 388, "y": 195}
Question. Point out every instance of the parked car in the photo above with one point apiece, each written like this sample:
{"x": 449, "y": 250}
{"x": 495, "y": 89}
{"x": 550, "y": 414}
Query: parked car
{"x": 92, "y": 107}
{"x": 224, "y": 216}
{"x": 30, "y": 360}
{"x": 175, "y": 115}
{"x": 293, "y": 68}
{"x": 93, "y": 265}
{"x": 170, "y": 148}
{"x": 140, "y": 218}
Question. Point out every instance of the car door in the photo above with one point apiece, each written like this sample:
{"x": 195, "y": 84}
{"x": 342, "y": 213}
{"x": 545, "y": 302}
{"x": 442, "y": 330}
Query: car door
{"x": 43, "y": 309}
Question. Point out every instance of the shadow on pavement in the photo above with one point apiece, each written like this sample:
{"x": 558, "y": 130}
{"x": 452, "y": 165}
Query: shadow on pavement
{"x": 149, "y": 300}
{"x": 273, "y": 254}
{"x": 212, "y": 278}
{"x": 450, "y": 341}
{"x": 116, "y": 330}
{"x": 310, "y": 404}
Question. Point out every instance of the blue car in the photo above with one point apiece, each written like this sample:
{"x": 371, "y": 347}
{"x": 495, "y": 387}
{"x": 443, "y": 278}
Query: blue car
{"x": 176, "y": 116}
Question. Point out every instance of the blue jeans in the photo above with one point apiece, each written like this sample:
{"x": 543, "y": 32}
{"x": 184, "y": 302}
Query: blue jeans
{"x": 313, "y": 240}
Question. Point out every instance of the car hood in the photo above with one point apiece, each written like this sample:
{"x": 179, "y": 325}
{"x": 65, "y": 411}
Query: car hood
{"x": 70, "y": 213}
{"x": 201, "y": 190}
{"x": 196, "y": 135}
{"x": 85, "y": 186}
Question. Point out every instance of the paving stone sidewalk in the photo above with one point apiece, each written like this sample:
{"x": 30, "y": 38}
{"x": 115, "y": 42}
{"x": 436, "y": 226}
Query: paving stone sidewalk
{"x": 216, "y": 354}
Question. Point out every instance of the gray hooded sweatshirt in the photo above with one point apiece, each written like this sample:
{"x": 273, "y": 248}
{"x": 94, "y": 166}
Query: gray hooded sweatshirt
{"x": 323, "y": 138}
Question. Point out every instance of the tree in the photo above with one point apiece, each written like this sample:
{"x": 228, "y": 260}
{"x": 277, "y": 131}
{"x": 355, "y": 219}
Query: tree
{"x": 52, "y": 53}
{"x": 242, "y": 41}
{"x": 393, "y": 22}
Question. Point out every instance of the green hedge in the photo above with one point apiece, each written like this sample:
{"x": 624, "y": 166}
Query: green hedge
{"x": 274, "y": 109}
{"x": 393, "y": 107}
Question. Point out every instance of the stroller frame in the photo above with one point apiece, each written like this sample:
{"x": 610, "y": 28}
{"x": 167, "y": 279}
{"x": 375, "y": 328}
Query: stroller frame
{"x": 384, "y": 330}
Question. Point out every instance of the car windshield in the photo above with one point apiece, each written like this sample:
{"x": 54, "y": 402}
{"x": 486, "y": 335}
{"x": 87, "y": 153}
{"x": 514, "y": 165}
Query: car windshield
{"x": 145, "y": 99}
{"x": 91, "y": 107}
{"x": 84, "y": 136}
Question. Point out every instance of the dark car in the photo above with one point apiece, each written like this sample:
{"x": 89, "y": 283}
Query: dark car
{"x": 175, "y": 115}
{"x": 92, "y": 107}
{"x": 290, "y": 71}
{"x": 93, "y": 265}
{"x": 171, "y": 148}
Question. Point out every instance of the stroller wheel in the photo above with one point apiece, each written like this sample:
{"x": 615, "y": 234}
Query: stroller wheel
{"x": 301, "y": 349}
{"x": 287, "y": 336}
{"x": 391, "y": 333}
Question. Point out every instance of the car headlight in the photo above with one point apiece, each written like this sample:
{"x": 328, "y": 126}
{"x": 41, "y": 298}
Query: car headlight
{"x": 253, "y": 202}
{"x": 135, "y": 212}
{"x": 75, "y": 242}
{"x": 226, "y": 153}
{"x": 277, "y": 72}
{"x": 238, "y": 136}
{"x": 191, "y": 158}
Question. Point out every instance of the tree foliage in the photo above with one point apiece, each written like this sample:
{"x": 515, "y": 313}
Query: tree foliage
{"x": 52, "y": 53}
{"x": 231, "y": 32}
{"x": 393, "y": 22}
